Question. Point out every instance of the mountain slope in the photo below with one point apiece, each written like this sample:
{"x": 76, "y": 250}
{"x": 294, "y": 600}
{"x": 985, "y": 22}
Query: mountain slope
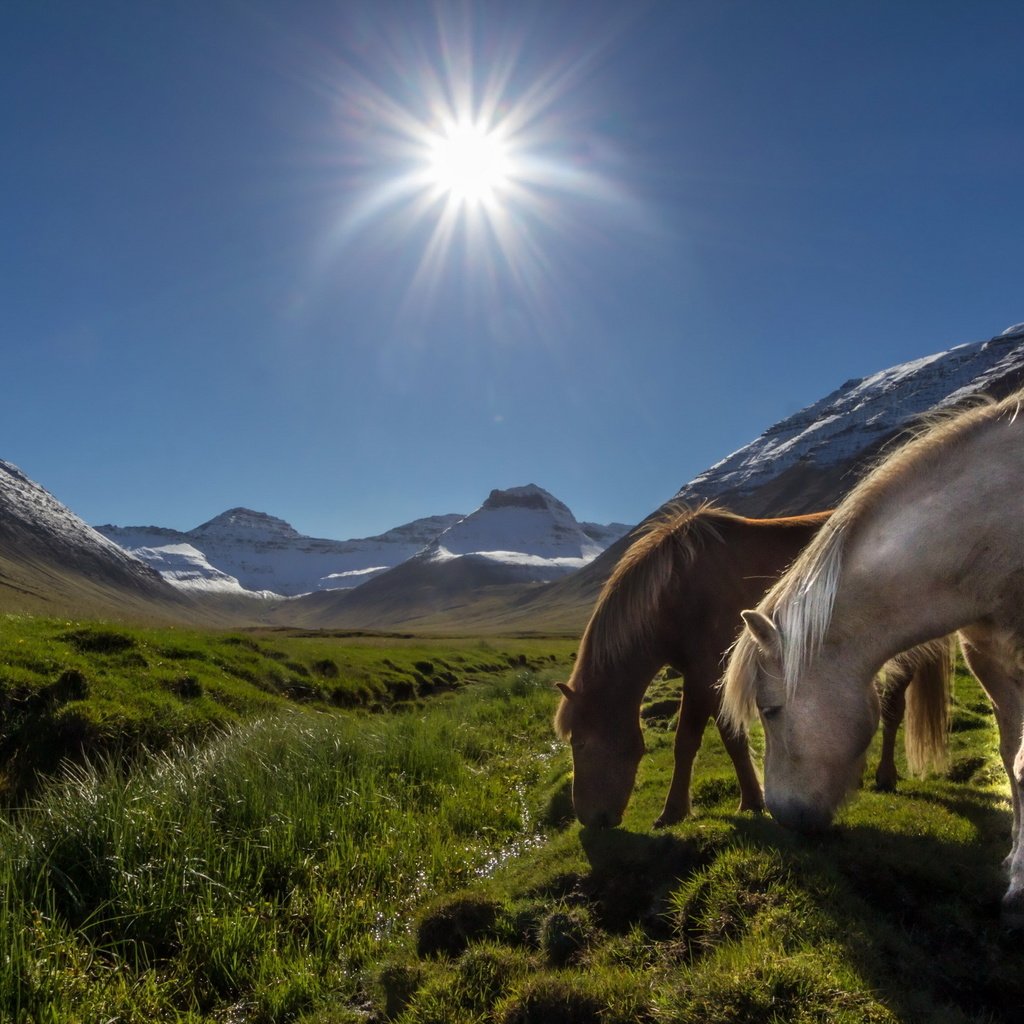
{"x": 518, "y": 539}
{"x": 53, "y": 563}
{"x": 245, "y": 551}
{"x": 811, "y": 459}
{"x": 803, "y": 463}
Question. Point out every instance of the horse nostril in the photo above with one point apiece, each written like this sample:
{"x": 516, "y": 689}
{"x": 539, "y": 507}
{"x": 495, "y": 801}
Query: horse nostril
{"x": 801, "y": 817}
{"x": 603, "y": 819}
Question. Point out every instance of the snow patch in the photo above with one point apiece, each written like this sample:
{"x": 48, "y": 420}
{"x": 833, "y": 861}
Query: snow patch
{"x": 861, "y": 413}
{"x": 526, "y": 530}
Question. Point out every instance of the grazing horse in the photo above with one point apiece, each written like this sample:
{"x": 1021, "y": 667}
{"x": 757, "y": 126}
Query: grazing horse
{"x": 675, "y": 598}
{"x": 942, "y": 516}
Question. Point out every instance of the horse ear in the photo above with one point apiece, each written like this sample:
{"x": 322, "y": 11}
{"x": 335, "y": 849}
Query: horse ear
{"x": 764, "y": 632}
{"x": 567, "y": 691}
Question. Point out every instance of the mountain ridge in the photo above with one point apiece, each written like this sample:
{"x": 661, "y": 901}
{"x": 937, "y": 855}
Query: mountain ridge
{"x": 460, "y": 575}
{"x": 807, "y": 461}
{"x": 519, "y": 538}
{"x": 253, "y": 552}
{"x": 243, "y": 551}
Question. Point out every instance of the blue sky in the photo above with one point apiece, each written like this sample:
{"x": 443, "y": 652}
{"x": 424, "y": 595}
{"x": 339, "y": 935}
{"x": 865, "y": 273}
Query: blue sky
{"x": 229, "y": 276}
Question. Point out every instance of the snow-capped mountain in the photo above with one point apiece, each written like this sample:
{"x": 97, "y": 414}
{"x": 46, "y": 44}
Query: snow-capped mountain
{"x": 521, "y": 536}
{"x": 812, "y": 458}
{"x": 242, "y": 551}
{"x": 520, "y": 560}
{"x": 51, "y": 560}
{"x": 245, "y": 551}
{"x": 528, "y": 531}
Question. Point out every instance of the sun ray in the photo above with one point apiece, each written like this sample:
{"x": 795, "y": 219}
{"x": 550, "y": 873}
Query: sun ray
{"x": 488, "y": 170}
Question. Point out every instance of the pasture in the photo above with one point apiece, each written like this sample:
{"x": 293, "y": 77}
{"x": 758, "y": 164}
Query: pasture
{"x": 287, "y": 853}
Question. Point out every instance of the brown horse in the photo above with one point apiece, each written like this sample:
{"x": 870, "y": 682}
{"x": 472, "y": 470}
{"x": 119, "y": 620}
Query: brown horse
{"x": 942, "y": 516}
{"x": 675, "y": 598}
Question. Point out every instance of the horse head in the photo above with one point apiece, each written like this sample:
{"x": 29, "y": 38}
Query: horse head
{"x": 605, "y": 756}
{"x": 816, "y": 733}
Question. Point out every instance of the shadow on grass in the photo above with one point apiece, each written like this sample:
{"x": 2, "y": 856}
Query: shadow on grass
{"x": 632, "y": 874}
{"x": 917, "y": 915}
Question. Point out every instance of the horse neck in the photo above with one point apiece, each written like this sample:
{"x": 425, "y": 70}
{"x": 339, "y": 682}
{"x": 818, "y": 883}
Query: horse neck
{"x": 764, "y": 547}
{"x": 910, "y": 574}
{"x": 619, "y": 677}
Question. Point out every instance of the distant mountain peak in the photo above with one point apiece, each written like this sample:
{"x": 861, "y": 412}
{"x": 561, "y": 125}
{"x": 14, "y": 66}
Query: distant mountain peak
{"x": 246, "y": 521}
{"x": 522, "y": 527}
{"x": 529, "y": 496}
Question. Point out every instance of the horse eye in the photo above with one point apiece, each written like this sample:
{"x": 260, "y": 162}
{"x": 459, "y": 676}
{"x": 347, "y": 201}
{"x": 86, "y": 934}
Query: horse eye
{"x": 770, "y": 712}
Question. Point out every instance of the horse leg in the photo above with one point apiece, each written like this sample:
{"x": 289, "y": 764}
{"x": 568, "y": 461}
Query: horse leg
{"x": 694, "y": 713}
{"x": 700, "y": 701}
{"x": 894, "y": 704}
{"x": 1000, "y": 681}
{"x": 736, "y": 745}
{"x": 1013, "y": 901}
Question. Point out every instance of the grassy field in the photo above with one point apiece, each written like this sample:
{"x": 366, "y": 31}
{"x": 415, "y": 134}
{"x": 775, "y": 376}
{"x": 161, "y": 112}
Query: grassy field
{"x": 728, "y": 918}
{"x": 286, "y": 855}
{"x": 72, "y": 689}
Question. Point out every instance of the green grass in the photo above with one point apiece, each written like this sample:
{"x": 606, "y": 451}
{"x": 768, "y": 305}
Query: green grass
{"x": 261, "y": 874}
{"x": 70, "y": 689}
{"x": 727, "y": 918}
{"x": 306, "y": 861}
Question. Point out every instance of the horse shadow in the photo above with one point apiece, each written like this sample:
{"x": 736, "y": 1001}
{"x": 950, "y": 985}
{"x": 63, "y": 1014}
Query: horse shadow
{"x": 917, "y": 915}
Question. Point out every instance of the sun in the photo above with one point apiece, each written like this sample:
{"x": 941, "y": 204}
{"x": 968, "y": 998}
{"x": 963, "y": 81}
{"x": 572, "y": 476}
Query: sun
{"x": 481, "y": 172}
{"x": 469, "y": 163}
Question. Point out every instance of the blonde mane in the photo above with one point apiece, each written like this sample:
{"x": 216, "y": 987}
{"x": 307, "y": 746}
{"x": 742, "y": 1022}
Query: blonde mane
{"x": 801, "y": 602}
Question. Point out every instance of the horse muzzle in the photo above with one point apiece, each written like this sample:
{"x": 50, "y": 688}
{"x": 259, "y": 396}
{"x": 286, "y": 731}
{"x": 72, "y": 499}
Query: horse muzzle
{"x": 599, "y": 819}
{"x": 799, "y": 815}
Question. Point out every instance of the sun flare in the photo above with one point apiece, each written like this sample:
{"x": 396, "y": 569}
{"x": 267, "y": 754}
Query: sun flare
{"x": 469, "y": 163}
{"x": 486, "y": 168}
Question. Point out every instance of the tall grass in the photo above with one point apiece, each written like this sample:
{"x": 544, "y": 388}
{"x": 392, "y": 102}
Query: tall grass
{"x": 262, "y": 871}
{"x": 73, "y": 688}
{"x": 890, "y": 918}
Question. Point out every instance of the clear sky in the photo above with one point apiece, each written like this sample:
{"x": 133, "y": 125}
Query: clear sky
{"x": 354, "y": 263}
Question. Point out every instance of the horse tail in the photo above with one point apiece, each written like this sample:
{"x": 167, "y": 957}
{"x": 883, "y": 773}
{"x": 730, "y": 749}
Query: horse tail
{"x": 929, "y": 699}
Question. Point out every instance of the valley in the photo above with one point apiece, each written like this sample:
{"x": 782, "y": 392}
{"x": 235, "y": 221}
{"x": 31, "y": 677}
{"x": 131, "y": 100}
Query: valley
{"x": 224, "y": 802}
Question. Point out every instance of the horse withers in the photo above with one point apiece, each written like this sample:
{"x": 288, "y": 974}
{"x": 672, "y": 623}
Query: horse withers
{"x": 675, "y": 598}
{"x": 943, "y": 516}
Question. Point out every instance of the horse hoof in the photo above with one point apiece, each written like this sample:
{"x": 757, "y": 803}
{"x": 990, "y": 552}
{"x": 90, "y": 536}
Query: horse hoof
{"x": 666, "y": 819}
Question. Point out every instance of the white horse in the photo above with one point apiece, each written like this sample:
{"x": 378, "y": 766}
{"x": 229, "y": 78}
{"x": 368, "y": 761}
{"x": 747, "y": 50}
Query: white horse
{"x": 943, "y": 517}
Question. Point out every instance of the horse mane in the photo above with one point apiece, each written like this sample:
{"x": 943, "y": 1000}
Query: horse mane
{"x": 801, "y": 602}
{"x": 626, "y": 609}
{"x": 627, "y": 605}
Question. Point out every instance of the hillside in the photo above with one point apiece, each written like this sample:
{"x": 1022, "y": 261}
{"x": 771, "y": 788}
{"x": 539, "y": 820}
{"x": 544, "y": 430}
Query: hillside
{"x": 809, "y": 460}
{"x": 53, "y": 563}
